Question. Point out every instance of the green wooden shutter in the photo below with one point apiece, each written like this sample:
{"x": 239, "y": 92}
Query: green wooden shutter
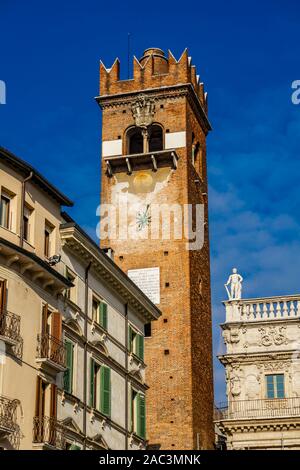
{"x": 92, "y": 378}
{"x": 141, "y": 416}
{"x": 103, "y": 315}
{"x": 105, "y": 390}
{"x": 140, "y": 346}
{"x": 130, "y": 414}
{"x": 68, "y": 374}
{"x": 74, "y": 447}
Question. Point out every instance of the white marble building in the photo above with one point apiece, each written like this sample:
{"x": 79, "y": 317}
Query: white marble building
{"x": 262, "y": 362}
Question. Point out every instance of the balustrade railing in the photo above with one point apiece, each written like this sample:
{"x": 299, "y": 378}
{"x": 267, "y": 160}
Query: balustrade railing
{"x": 49, "y": 431}
{"x": 8, "y": 414}
{"x": 255, "y": 409}
{"x": 268, "y": 308}
{"x": 49, "y": 347}
{"x": 10, "y": 325}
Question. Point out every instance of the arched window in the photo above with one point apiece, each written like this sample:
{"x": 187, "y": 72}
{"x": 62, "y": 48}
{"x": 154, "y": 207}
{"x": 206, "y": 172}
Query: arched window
{"x": 155, "y": 138}
{"x": 142, "y": 140}
{"x": 134, "y": 141}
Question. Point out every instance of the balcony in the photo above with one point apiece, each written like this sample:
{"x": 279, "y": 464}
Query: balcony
{"x": 141, "y": 161}
{"x": 10, "y": 326}
{"x": 8, "y": 416}
{"x": 48, "y": 433}
{"x": 263, "y": 309}
{"x": 259, "y": 409}
{"x": 50, "y": 353}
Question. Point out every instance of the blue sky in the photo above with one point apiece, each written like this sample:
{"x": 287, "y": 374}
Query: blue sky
{"x": 246, "y": 54}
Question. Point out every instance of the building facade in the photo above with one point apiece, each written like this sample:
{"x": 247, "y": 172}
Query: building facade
{"x": 102, "y": 397}
{"x": 262, "y": 364}
{"x": 71, "y": 327}
{"x": 154, "y": 130}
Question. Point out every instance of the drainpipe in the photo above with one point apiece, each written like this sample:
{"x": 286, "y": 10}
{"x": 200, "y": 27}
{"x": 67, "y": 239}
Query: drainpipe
{"x": 22, "y": 207}
{"x": 86, "y": 311}
{"x": 126, "y": 376}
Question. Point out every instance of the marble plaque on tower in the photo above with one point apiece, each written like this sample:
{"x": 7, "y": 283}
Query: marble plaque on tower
{"x": 148, "y": 280}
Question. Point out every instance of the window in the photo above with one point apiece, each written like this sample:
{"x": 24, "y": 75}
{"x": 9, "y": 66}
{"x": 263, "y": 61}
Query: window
{"x": 47, "y": 243}
{"x": 68, "y": 374}
{"x": 147, "y": 330}
{"x": 5, "y": 211}
{"x": 99, "y": 312}
{"x": 3, "y": 294}
{"x": 195, "y": 152}
{"x": 40, "y": 401}
{"x": 71, "y": 292}
{"x": 26, "y": 223}
{"x": 46, "y": 320}
{"x": 138, "y": 414}
{"x": 45, "y": 405}
{"x": 47, "y": 239}
{"x": 136, "y": 343}
{"x": 275, "y": 386}
{"x": 135, "y": 142}
{"x": 156, "y": 138}
{"x": 142, "y": 141}
{"x": 26, "y": 227}
{"x": 100, "y": 388}
{"x": 95, "y": 309}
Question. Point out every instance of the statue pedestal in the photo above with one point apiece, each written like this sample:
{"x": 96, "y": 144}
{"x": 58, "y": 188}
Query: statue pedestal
{"x": 233, "y": 312}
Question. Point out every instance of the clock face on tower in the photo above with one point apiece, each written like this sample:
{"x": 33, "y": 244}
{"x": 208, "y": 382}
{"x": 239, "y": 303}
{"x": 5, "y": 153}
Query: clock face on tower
{"x": 143, "y": 218}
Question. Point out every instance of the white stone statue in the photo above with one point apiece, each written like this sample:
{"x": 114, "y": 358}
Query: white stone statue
{"x": 235, "y": 281}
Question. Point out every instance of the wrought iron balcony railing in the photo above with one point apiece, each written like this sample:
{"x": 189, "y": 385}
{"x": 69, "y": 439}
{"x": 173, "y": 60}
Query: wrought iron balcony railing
{"x": 8, "y": 415}
{"x": 48, "y": 347}
{"x": 10, "y": 324}
{"x": 48, "y": 431}
{"x": 258, "y": 409}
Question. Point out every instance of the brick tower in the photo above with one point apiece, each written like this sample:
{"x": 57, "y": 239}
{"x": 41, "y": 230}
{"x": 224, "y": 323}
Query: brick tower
{"x": 154, "y": 153}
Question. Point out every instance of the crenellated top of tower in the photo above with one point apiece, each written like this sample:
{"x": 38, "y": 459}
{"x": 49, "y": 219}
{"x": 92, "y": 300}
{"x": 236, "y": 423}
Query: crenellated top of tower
{"x": 153, "y": 70}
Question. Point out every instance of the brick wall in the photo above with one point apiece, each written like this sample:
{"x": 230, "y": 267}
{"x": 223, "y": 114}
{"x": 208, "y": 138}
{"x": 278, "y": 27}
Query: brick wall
{"x": 178, "y": 354}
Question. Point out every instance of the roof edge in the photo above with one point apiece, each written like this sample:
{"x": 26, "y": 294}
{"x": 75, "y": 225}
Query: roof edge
{"x": 23, "y": 167}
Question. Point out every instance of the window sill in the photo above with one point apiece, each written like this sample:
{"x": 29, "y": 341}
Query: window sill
{"x": 137, "y": 359}
{"x": 138, "y": 439}
{"x": 10, "y": 231}
{"x": 99, "y": 414}
{"x": 72, "y": 304}
{"x": 98, "y": 327}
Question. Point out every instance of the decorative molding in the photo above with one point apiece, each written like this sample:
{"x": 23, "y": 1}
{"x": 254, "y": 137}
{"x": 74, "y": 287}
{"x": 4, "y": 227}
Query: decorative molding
{"x": 143, "y": 110}
{"x": 240, "y": 427}
{"x": 272, "y": 336}
{"x": 274, "y": 365}
{"x": 168, "y": 92}
{"x": 234, "y": 375}
{"x": 231, "y": 336}
{"x": 76, "y": 407}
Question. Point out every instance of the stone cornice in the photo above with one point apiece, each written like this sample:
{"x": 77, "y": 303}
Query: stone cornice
{"x": 33, "y": 267}
{"x": 258, "y": 323}
{"x": 230, "y": 426}
{"x": 161, "y": 93}
{"x": 255, "y": 358}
